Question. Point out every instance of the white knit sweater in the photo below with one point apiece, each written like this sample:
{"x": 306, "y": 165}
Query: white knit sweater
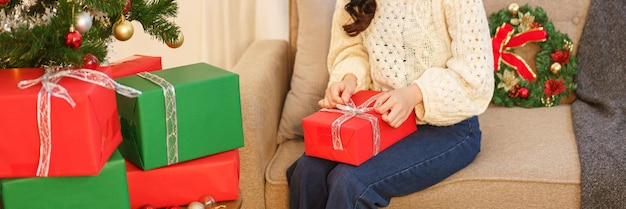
{"x": 444, "y": 46}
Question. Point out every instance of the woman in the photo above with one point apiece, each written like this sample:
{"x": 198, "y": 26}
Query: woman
{"x": 433, "y": 57}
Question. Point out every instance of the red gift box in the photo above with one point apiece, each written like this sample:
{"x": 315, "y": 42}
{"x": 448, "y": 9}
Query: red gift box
{"x": 133, "y": 65}
{"x": 179, "y": 184}
{"x": 356, "y": 143}
{"x": 82, "y": 138}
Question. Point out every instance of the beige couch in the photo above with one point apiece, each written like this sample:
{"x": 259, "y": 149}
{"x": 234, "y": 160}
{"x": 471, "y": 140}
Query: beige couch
{"x": 529, "y": 157}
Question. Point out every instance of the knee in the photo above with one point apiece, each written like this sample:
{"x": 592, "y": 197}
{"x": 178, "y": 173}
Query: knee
{"x": 346, "y": 190}
{"x": 342, "y": 182}
{"x": 310, "y": 166}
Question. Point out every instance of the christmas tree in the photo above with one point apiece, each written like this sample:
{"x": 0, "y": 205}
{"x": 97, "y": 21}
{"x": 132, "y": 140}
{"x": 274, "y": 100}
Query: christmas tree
{"x": 72, "y": 33}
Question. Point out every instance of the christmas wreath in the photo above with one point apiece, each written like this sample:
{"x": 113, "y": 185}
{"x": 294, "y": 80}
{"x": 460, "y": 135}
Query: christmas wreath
{"x": 516, "y": 83}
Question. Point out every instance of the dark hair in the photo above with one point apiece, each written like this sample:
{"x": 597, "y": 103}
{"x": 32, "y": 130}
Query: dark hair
{"x": 362, "y": 12}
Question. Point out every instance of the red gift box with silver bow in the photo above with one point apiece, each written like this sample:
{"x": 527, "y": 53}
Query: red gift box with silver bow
{"x": 179, "y": 184}
{"x": 352, "y": 134}
{"x": 71, "y": 130}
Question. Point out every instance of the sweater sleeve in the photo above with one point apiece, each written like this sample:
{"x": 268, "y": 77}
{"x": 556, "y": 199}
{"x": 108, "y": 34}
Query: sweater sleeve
{"x": 346, "y": 54}
{"x": 465, "y": 87}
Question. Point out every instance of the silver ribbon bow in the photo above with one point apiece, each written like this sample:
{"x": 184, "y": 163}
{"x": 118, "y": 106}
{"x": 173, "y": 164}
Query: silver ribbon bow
{"x": 171, "y": 121}
{"x": 50, "y": 87}
{"x": 349, "y": 111}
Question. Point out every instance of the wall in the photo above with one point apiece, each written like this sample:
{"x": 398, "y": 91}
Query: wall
{"x": 216, "y": 32}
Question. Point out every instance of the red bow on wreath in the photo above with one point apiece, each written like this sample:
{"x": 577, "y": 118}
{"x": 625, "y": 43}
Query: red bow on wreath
{"x": 504, "y": 40}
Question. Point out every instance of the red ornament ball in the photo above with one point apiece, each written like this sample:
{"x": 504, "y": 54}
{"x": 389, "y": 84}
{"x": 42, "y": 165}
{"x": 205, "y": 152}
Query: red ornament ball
{"x": 523, "y": 93}
{"x": 4, "y": 2}
{"x": 90, "y": 61}
{"x": 173, "y": 207}
{"x": 126, "y": 8}
{"x": 73, "y": 39}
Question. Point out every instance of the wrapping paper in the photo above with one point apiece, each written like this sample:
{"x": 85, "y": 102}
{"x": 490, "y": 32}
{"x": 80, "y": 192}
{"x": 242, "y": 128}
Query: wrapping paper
{"x": 357, "y": 137}
{"x": 216, "y": 175}
{"x": 83, "y": 137}
{"x": 208, "y": 115}
{"x": 132, "y": 65}
{"x": 106, "y": 190}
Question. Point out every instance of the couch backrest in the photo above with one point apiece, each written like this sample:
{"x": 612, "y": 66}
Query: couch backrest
{"x": 568, "y": 16}
{"x": 311, "y": 26}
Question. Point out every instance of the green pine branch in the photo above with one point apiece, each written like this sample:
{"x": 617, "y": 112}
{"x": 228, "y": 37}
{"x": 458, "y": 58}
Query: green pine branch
{"x": 44, "y": 45}
{"x": 155, "y": 18}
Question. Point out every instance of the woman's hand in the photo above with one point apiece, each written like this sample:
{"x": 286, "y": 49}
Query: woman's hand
{"x": 339, "y": 92}
{"x": 395, "y": 106}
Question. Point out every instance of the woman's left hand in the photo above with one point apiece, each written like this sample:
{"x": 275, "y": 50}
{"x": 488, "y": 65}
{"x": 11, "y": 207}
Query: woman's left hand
{"x": 395, "y": 106}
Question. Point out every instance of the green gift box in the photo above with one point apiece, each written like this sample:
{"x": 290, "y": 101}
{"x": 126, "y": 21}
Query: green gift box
{"x": 207, "y": 117}
{"x": 106, "y": 190}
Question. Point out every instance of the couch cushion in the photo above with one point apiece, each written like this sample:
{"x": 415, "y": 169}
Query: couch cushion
{"x": 310, "y": 75}
{"x": 528, "y": 157}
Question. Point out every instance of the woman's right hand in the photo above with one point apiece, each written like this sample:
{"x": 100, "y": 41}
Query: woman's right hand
{"x": 339, "y": 92}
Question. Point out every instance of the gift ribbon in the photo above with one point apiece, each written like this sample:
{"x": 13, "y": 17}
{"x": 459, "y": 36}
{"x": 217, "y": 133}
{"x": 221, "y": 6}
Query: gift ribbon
{"x": 349, "y": 111}
{"x": 50, "y": 87}
{"x": 504, "y": 40}
{"x": 171, "y": 123}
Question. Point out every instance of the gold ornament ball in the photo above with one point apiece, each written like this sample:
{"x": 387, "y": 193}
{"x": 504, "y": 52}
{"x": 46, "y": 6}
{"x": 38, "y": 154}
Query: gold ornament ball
{"x": 123, "y": 30}
{"x": 513, "y": 8}
{"x": 178, "y": 42}
{"x": 555, "y": 68}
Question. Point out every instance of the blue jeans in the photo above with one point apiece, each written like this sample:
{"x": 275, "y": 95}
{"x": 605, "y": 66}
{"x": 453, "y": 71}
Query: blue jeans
{"x": 420, "y": 160}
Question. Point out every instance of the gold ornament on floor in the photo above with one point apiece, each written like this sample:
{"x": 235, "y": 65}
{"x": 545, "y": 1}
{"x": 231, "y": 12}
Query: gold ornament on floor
{"x": 555, "y": 68}
{"x": 178, "y": 42}
{"x": 123, "y": 29}
{"x": 513, "y": 8}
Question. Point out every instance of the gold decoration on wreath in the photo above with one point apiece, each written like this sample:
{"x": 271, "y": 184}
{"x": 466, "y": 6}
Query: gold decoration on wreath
{"x": 513, "y": 8}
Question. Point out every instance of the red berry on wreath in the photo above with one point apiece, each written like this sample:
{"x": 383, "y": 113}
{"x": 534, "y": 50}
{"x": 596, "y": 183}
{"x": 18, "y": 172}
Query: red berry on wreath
{"x": 522, "y": 93}
{"x": 4, "y": 2}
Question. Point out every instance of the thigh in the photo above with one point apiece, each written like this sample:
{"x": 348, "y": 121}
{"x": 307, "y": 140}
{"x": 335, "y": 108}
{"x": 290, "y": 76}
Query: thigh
{"x": 422, "y": 159}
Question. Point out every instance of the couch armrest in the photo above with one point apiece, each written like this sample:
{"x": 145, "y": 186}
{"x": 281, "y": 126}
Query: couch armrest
{"x": 264, "y": 75}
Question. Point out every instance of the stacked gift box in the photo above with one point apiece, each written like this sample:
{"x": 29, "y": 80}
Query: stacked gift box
{"x": 99, "y": 149}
